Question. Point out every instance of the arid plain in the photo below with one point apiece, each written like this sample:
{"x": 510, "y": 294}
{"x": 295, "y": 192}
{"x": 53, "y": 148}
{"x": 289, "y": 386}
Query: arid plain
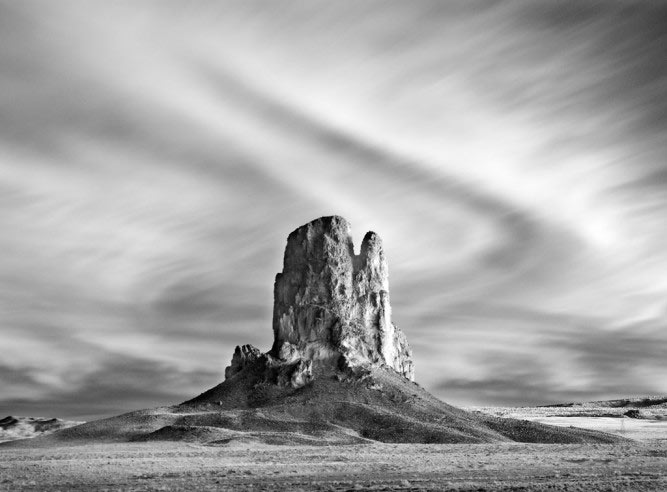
{"x": 636, "y": 465}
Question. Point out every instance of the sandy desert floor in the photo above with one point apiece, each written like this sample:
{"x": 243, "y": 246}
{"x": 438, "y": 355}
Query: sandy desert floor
{"x": 635, "y": 466}
{"x": 638, "y": 465}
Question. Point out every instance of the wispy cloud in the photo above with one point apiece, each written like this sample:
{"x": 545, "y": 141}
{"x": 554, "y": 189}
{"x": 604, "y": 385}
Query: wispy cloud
{"x": 154, "y": 156}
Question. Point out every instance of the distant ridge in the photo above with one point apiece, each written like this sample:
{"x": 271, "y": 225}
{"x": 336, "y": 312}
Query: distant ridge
{"x": 12, "y": 428}
{"x": 633, "y": 402}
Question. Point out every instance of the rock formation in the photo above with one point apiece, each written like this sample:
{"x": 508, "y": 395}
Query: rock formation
{"x": 331, "y": 309}
{"x": 339, "y": 371}
{"x": 244, "y": 356}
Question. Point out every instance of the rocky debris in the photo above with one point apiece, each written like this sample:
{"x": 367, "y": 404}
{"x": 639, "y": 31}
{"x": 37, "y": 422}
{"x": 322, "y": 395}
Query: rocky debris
{"x": 288, "y": 352}
{"x": 244, "y": 355}
{"x": 296, "y": 375}
{"x": 331, "y": 309}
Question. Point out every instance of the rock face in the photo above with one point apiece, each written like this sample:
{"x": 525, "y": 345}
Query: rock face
{"x": 243, "y": 357}
{"x": 331, "y": 308}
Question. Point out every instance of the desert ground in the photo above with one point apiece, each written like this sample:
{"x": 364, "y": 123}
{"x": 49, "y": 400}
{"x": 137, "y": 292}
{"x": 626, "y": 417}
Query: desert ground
{"x": 636, "y": 465}
{"x": 183, "y": 466}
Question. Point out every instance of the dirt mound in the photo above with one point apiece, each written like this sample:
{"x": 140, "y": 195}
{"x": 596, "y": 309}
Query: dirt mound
{"x": 186, "y": 433}
{"x": 375, "y": 404}
{"x": 286, "y": 439}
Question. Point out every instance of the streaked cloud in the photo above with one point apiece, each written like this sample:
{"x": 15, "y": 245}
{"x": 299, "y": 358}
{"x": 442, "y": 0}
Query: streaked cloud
{"x": 154, "y": 156}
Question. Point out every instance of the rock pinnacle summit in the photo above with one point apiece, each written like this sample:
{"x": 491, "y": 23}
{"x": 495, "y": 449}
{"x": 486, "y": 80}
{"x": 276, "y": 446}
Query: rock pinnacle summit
{"x": 331, "y": 310}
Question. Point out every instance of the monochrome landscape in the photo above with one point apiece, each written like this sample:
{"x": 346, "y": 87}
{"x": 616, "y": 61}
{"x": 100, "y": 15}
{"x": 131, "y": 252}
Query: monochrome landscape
{"x": 501, "y": 325}
{"x": 340, "y": 377}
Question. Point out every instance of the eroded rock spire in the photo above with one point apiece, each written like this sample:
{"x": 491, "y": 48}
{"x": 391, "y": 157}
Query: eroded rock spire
{"x": 331, "y": 307}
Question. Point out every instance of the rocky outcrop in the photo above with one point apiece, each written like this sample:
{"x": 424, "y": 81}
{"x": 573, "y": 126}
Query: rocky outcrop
{"x": 244, "y": 355}
{"x": 331, "y": 307}
{"x": 339, "y": 371}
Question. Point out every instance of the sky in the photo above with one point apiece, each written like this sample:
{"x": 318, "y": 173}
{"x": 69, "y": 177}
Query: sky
{"x": 154, "y": 157}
